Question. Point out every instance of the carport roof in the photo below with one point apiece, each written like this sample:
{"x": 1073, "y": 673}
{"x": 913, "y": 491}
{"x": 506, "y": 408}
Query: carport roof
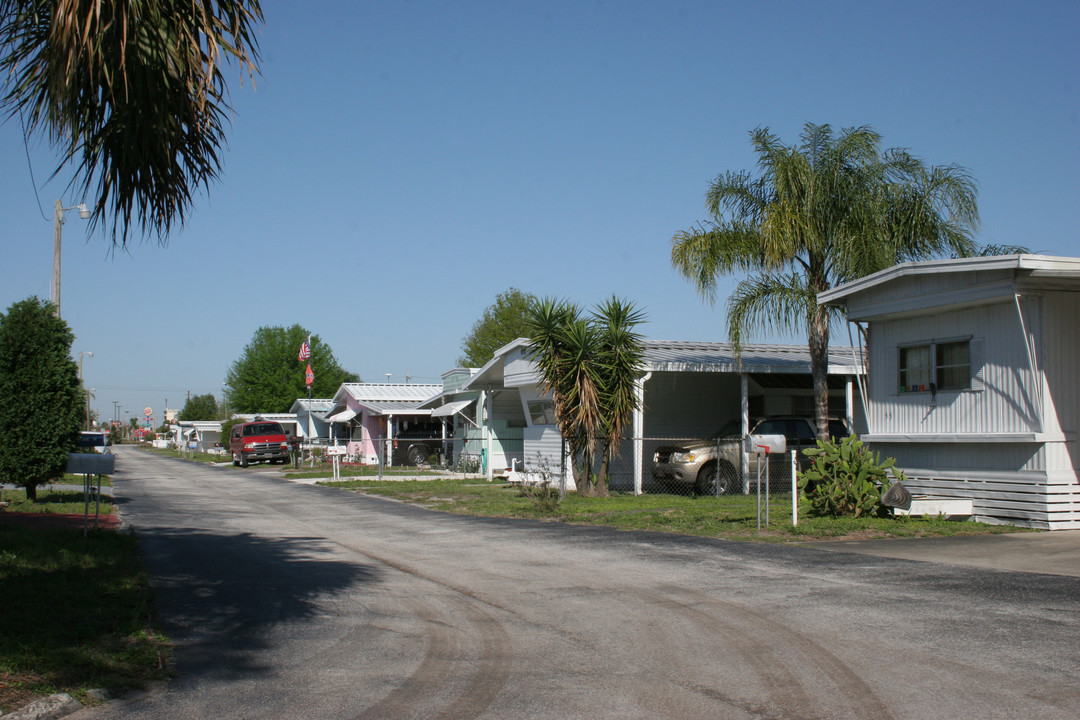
{"x": 685, "y": 356}
{"x": 676, "y": 356}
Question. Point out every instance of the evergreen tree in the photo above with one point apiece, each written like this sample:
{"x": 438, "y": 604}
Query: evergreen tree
{"x": 42, "y": 408}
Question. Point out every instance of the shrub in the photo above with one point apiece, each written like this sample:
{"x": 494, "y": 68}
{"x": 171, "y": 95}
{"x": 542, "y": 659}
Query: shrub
{"x": 545, "y": 494}
{"x": 846, "y": 479}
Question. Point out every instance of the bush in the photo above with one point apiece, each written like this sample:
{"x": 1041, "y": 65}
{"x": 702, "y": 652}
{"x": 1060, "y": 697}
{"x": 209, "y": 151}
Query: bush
{"x": 846, "y": 479}
{"x": 544, "y": 494}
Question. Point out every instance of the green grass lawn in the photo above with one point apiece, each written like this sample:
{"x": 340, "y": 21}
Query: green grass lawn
{"x": 56, "y": 501}
{"x": 733, "y": 517}
{"x": 185, "y": 455}
{"x": 77, "y": 615}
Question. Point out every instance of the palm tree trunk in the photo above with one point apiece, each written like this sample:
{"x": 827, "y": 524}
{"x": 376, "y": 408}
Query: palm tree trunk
{"x": 818, "y": 337}
{"x": 605, "y": 466}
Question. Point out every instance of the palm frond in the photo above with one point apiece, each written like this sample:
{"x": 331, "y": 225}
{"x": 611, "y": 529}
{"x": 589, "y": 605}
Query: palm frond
{"x": 768, "y": 303}
{"x": 131, "y": 94}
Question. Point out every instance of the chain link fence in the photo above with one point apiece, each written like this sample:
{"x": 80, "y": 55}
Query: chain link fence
{"x": 403, "y": 455}
{"x": 692, "y": 466}
{"x": 669, "y": 465}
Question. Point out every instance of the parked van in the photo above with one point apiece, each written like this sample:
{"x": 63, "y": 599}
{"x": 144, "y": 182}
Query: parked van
{"x": 258, "y": 441}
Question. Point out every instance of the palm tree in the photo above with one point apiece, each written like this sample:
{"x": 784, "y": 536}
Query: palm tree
{"x": 132, "y": 94}
{"x": 590, "y": 367}
{"x": 563, "y": 348}
{"x": 831, "y": 209}
{"x": 618, "y": 361}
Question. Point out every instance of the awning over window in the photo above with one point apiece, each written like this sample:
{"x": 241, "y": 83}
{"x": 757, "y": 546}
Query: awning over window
{"x": 344, "y": 415}
{"x": 451, "y": 408}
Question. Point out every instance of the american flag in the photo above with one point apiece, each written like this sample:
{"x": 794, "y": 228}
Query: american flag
{"x": 305, "y": 349}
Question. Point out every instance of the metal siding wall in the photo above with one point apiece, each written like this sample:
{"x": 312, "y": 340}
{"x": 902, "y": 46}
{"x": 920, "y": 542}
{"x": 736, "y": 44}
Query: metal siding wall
{"x": 1061, "y": 357}
{"x": 1060, "y": 352}
{"x": 1005, "y": 405}
{"x": 998, "y": 457}
{"x": 543, "y": 445}
{"x": 920, "y": 285}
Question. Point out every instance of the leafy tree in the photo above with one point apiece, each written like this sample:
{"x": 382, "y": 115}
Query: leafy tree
{"x": 200, "y": 407}
{"x": 829, "y": 210}
{"x": 42, "y": 409}
{"x": 589, "y": 366}
{"x": 269, "y": 377}
{"x": 101, "y": 78}
{"x": 502, "y": 322}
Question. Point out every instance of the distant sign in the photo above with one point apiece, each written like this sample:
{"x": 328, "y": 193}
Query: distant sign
{"x": 337, "y": 450}
{"x": 147, "y": 412}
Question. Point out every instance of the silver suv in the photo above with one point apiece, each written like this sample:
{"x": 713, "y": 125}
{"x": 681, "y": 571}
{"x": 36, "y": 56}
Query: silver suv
{"x": 712, "y": 466}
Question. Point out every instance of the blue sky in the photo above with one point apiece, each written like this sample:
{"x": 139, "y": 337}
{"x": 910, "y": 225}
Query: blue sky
{"x": 401, "y": 163}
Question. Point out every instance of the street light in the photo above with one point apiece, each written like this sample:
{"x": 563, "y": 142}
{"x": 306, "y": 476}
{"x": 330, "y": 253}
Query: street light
{"x": 58, "y": 224}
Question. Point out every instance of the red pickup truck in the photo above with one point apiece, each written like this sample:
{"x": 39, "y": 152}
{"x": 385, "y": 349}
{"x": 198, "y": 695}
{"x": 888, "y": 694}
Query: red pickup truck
{"x": 258, "y": 441}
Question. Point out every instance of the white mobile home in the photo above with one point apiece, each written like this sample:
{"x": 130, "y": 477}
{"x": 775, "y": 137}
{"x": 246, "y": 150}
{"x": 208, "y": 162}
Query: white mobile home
{"x": 974, "y": 380}
{"x": 686, "y": 389}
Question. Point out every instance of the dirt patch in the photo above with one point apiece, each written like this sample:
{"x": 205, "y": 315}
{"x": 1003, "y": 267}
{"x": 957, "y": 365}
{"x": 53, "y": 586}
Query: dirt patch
{"x": 14, "y": 693}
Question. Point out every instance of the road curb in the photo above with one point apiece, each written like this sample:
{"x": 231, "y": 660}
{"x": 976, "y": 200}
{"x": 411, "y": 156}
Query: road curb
{"x": 53, "y": 706}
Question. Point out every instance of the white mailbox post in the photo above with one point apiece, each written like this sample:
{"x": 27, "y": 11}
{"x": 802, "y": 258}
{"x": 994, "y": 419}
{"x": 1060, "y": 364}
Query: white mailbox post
{"x": 336, "y": 452}
{"x": 89, "y": 465}
{"x": 763, "y": 446}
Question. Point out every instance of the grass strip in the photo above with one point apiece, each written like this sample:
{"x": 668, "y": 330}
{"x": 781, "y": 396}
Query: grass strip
{"x": 733, "y": 517}
{"x": 77, "y": 615}
{"x": 54, "y": 501}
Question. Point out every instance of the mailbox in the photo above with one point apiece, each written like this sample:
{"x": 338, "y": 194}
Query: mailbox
{"x": 91, "y": 463}
{"x": 765, "y": 444}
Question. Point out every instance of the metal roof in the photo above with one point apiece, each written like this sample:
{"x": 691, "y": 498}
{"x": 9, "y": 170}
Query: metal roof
{"x": 395, "y": 408}
{"x": 312, "y": 405}
{"x": 385, "y": 398}
{"x": 1039, "y": 266}
{"x": 452, "y": 408}
{"x": 676, "y": 356}
{"x": 389, "y": 392}
{"x": 686, "y": 356}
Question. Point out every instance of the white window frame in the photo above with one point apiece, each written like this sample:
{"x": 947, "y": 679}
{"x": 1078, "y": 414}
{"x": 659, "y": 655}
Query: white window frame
{"x": 933, "y": 369}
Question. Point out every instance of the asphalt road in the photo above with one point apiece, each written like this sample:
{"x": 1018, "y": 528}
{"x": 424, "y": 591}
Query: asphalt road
{"x": 293, "y": 601}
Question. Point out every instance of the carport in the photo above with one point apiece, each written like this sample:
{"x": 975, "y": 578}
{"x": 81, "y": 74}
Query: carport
{"x": 692, "y": 389}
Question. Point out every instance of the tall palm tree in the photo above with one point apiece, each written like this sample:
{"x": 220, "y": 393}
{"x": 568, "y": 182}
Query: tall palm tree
{"x": 131, "y": 92}
{"x": 831, "y": 209}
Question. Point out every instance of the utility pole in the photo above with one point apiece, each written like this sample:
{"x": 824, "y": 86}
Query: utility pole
{"x": 58, "y": 225}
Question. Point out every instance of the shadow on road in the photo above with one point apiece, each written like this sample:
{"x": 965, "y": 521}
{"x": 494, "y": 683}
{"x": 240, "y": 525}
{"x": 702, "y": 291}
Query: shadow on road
{"x": 220, "y": 594}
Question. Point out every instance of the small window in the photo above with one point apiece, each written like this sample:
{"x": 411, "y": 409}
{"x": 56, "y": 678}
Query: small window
{"x": 915, "y": 368}
{"x": 953, "y": 365}
{"x": 541, "y": 412}
{"x": 935, "y": 366}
